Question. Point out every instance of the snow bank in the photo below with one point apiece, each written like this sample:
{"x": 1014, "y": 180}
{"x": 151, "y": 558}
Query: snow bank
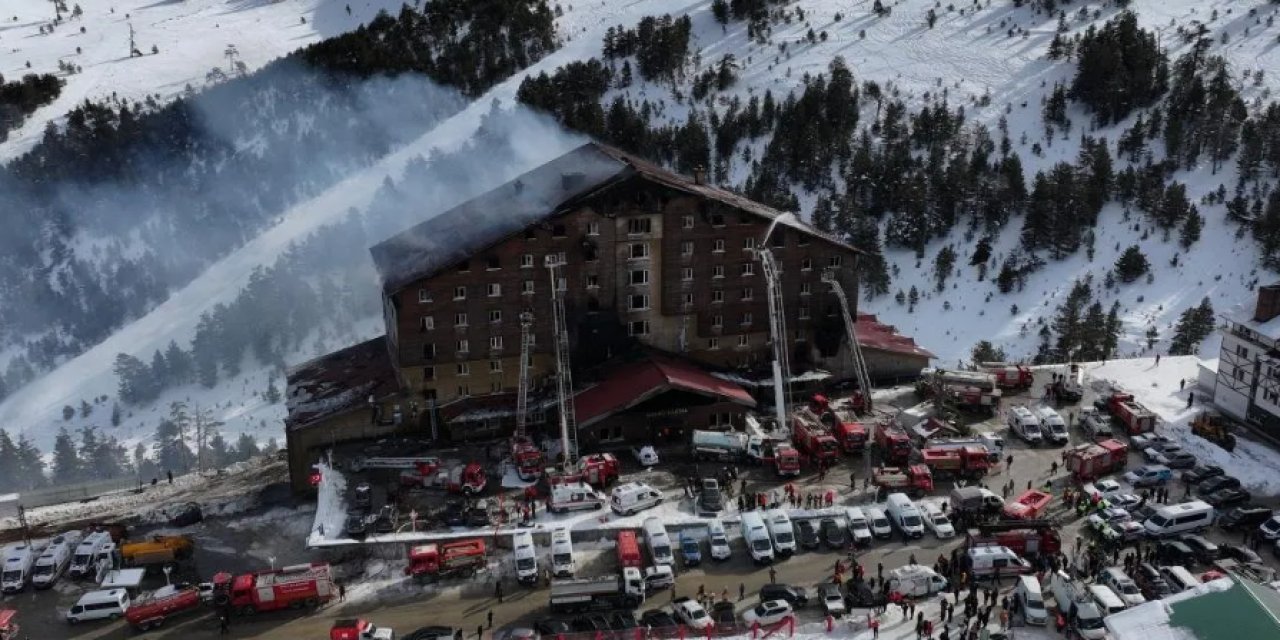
{"x": 331, "y": 507}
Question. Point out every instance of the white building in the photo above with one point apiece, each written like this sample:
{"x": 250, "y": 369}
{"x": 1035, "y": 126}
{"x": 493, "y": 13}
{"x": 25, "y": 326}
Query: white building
{"x": 1247, "y": 384}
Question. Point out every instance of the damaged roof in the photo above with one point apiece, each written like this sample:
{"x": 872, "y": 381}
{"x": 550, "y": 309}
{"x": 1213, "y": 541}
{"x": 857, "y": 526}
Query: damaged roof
{"x": 339, "y": 382}
{"x": 549, "y": 190}
{"x": 873, "y": 334}
{"x": 632, "y": 384}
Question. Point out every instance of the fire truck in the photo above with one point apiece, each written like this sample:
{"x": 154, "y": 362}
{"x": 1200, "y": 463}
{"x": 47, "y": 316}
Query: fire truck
{"x": 894, "y": 443}
{"x": 970, "y": 461}
{"x": 973, "y": 390}
{"x": 300, "y": 585}
{"x": 1090, "y": 461}
{"x": 359, "y": 629}
{"x": 783, "y": 457}
{"x": 441, "y": 561}
{"x": 1135, "y": 417}
{"x": 1027, "y": 538}
{"x": 453, "y": 476}
{"x": 1009, "y": 376}
{"x": 527, "y": 458}
{"x": 915, "y": 480}
{"x": 597, "y": 469}
{"x": 810, "y": 436}
{"x": 843, "y": 424}
{"x": 153, "y": 609}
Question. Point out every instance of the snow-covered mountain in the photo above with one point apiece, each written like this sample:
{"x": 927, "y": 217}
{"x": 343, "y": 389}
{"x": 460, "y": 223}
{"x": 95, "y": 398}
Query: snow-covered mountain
{"x": 989, "y": 56}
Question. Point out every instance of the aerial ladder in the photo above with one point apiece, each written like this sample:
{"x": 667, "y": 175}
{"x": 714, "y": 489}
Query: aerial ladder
{"x": 525, "y": 454}
{"x": 564, "y": 376}
{"x": 850, "y": 327}
{"x": 777, "y": 328}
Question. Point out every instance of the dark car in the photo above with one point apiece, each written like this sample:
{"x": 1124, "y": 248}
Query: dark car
{"x": 710, "y": 499}
{"x": 1178, "y": 460}
{"x": 1239, "y": 553}
{"x": 186, "y": 515}
{"x": 858, "y": 593}
{"x": 434, "y": 632}
{"x": 1201, "y": 472}
{"x": 723, "y": 615}
{"x": 1217, "y": 484}
{"x": 658, "y": 619}
{"x": 1244, "y": 518}
{"x": 1206, "y": 552}
{"x": 478, "y": 514}
{"x": 1224, "y": 498}
{"x": 833, "y": 533}
{"x": 584, "y": 624}
{"x": 1170, "y": 552}
{"x": 552, "y": 626}
{"x": 362, "y": 496}
{"x": 357, "y": 525}
{"x": 1150, "y": 582}
{"x": 797, "y": 597}
{"x": 808, "y": 534}
{"x": 622, "y": 620}
{"x": 386, "y": 520}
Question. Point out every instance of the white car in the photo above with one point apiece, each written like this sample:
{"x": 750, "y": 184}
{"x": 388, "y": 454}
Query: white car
{"x": 859, "y": 530}
{"x": 1126, "y": 501}
{"x": 938, "y": 523}
{"x": 688, "y": 611}
{"x": 719, "y": 541}
{"x": 878, "y": 522}
{"x": 768, "y": 612}
{"x": 1105, "y": 487}
{"x": 832, "y": 599}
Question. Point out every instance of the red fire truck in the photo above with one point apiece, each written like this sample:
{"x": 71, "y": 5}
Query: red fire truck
{"x": 1090, "y": 461}
{"x": 915, "y": 480}
{"x": 971, "y": 461}
{"x": 469, "y": 479}
{"x": 1027, "y": 538}
{"x": 843, "y": 425}
{"x": 1135, "y": 417}
{"x": 151, "y": 610}
{"x": 439, "y": 561}
{"x": 1009, "y": 376}
{"x": 894, "y": 443}
{"x": 629, "y": 550}
{"x": 810, "y": 437}
{"x": 301, "y": 585}
{"x": 527, "y": 458}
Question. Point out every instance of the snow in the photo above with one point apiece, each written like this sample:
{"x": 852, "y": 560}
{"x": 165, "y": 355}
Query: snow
{"x": 1151, "y": 621}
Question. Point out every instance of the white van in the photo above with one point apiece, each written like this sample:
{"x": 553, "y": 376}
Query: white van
{"x": 905, "y": 516}
{"x": 50, "y": 565}
{"x": 879, "y": 523}
{"x": 781, "y": 531}
{"x": 562, "y": 565}
{"x": 659, "y": 543}
{"x": 1107, "y": 600}
{"x": 1031, "y": 600}
{"x": 757, "y": 537}
{"x": 574, "y": 496}
{"x": 986, "y": 560}
{"x": 1023, "y": 423}
{"x": 19, "y": 560}
{"x": 1052, "y": 426}
{"x": 85, "y": 559}
{"x": 633, "y": 497}
{"x": 1179, "y": 578}
{"x": 858, "y": 527}
{"x": 718, "y": 540}
{"x": 99, "y": 605}
{"x": 1185, "y": 517}
{"x": 916, "y": 580}
{"x": 526, "y": 558}
{"x": 1118, "y": 581}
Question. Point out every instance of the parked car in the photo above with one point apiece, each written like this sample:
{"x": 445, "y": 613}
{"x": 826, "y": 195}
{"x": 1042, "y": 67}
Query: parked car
{"x": 1201, "y": 472}
{"x": 385, "y": 522}
{"x": 1105, "y": 487}
{"x": 1178, "y": 460}
{"x": 658, "y": 619}
{"x": 1108, "y": 516}
{"x": 710, "y": 499}
{"x": 1174, "y": 552}
{"x": 646, "y": 455}
{"x": 591, "y": 623}
{"x": 691, "y": 613}
{"x": 1150, "y": 582}
{"x": 1148, "y": 475}
{"x": 723, "y": 614}
{"x": 357, "y": 525}
{"x": 1240, "y": 553}
{"x": 797, "y": 597}
{"x": 808, "y": 534}
{"x": 833, "y": 533}
{"x": 1125, "y": 501}
{"x": 859, "y": 594}
{"x": 691, "y": 550}
{"x": 768, "y": 612}
{"x": 1145, "y": 441}
{"x": 436, "y": 632}
{"x": 186, "y": 514}
{"x": 622, "y": 620}
{"x": 1224, "y": 498}
{"x": 1206, "y": 552}
{"x": 1270, "y": 528}
{"x": 832, "y": 599}
{"x": 1217, "y": 484}
{"x": 551, "y": 626}
{"x": 1243, "y": 517}
{"x": 1151, "y": 453}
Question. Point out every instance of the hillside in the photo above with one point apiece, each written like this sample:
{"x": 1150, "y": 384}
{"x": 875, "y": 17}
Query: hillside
{"x": 989, "y": 58}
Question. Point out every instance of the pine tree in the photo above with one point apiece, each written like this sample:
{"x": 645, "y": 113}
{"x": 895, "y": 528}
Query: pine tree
{"x": 169, "y": 449}
{"x": 115, "y": 414}
{"x": 66, "y": 460}
{"x": 219, "y": 454}
{"x": 85, "y": 409}
{"x": 246, "y": 447}
{"x": 913, "y": 296}
{"x": 9, "y": 464}
{"x": 1152, "y": 335}
{"x": 31, "y": 464}
{"x": 720, "y": 9}
{"x": 1190, "y": 232}
{"x": 160, "y": 370}
{"x": 205, "y": 427}
{"x": 984, "y": 351}
{"x": 943, "y": 264}
{"x": 1131, "y": 265}
{"x": 1114, "y": 327}
{"x": 1068, "y": 323}
{"x": 134, "y": 378}
{"x": 178, "y": 363}
{"x": 1194, "y": 325}
{"x": 68, "y": 412}
{"x": 272, "y": 395}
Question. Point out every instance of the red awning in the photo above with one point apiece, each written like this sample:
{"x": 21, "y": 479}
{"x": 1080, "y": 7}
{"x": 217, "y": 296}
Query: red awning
{"x": 634, "y": 383}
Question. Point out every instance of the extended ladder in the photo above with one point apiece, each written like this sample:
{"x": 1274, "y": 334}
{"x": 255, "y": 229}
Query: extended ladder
{"x": 522, "y": 396}
{"x": 778, "y": 331}
{"x": 564, "y": 376}
{"x": 859, "y": 363}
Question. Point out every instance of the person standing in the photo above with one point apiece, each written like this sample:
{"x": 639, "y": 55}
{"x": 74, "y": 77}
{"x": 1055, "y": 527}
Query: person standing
{"x": 773, "y": 576}
{"x": 224, "y": 624}
{"x": 742, "y": 591}
{"x": 490, "y": 616}
{"x": 479, "y": 632}
{"x": 170, "y": 473}
{"x": 342, "y": 591}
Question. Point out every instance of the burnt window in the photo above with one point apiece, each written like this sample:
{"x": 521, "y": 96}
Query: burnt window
{"x": 464, "y": 266}
{"x": 428, "y": 373}
{"x": 530, "y": 233}
{"x": 558, "y": 231}
{"x": 494, "y": 262}
{"x": 717, "y": 219}
{"x": 428, "y": 351}
{"x": 779, "y": 238}
{"x": 639, "y": 225}
{"x": 593, "y": 304}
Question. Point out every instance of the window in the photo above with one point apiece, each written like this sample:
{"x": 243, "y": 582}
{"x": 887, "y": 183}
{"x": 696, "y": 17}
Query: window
{"x": 639, "y": 276}
{"x": 834, "y": 261}
{"x": 1239, "y": 374}
{"x": 493, "y": 289}
{"x": 593, "y": 228}
{"x": 717, "y": 219}
{"x": 426, "y": 323}
{"x": 495, "y": 342}
{"x": 558, "y": 231}
{"x": 778, "y": 239}
{"x": 495, "y": 386}
{"x": 744, "y": 218}
{"x": 686, "y": 248}
{"x": 806, "y": 288}
{"x": 717, "y": 271}
{"x": 494, "y": 263}
{"x": 460, "y": 293}
{"x": 1242, "y": 351}
{"x": 748, "y": 294}
{"x": 639, "y": 250}
{"x": 803, "y": 240}
{"x": 806, "y": 264}
{"x": 593, "y": 281}
{"x": 717, "y": 321}
{"x": 742, "y": 341}
{"x": 748, "y": 243}
{"x": 464, "y": 390}
{"x": 686, "y": 299}
{"x": 428, "y": 351}
{"x": 713, "y": 343}
{"x": 460, "y": 319}
{"x": 464, "y": 368}
{"x": 464, "y": 266}
{"x": 495, "y": 315}
{"x": 717, "y": 295}
{"x": 638, "y": 328}
{"x": 804, "y": 312}
{"x": 530, "y": 233}
{"x": 686, "y": 274}
{"x": 639, "y": 225}
{"x": 718, "y": 246}
{"x": 686, "y": 222}
{"x": 464, "y": 345}
{"x": 746, "y": 318}
{"x": 424, "y": 295}
{"x": 1270, "y": 396}
{"x": 526, "y": 287}
{"x": 748, "y": 268}
{"x": 526, "y": 261}
{"x": 428, "y": 373}
{"x": 638, "y": 302}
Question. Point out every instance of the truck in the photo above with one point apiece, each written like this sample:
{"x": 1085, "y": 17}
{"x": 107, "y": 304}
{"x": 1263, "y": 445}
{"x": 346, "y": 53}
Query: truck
{"x": 359, "y": 629}
{"x": 1125, "y": 409}
{"x": 1075, "y": 605}
{"x": 1069, "y": 387}
{"x": 158, "y": 550}
{"x": 722, "y": 446}
{"x": 784, "y": 459}
{"x": 976, "y": 501}
{"x": 1009, "y": 376}
{"x": 811, "y": 438}
{"x": 292, "y": 587}
{"x": 361, "y": 463}
{"x": 454, "y": 476}
{"x": 915, "y": 480}
{"x": 54, "y": 561}
{"x": 1029, "y": 505}
{"x": 971, "y": 462}
{"x": 527, "y": 458}
{"x": 1212, "y": 426}
{"x": 992, "y": 443}
{"x": 151, "y": 610}
{"x": 842, "y": 424}
{"x": 895, "y": 445}
{"x": 973, "y": 390}
{"x": 1090, "y": 461}
{"x": 1027, "y": 538}
{"x": 597, "y": 469}
{"x": 8, "y": 624}
{"x": 443, "y": 560}
{"x": 623, "y": 591}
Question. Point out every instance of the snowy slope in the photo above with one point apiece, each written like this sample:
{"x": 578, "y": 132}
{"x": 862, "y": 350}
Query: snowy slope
{"x": 192, "y": 37}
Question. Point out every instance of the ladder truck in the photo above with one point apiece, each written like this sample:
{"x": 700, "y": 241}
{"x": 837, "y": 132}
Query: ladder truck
{"x": 850, "y": 327}
{"x": 777, "y": 329}
{"x": 525, "y": 455}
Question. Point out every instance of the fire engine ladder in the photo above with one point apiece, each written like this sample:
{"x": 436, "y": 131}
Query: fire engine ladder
{"x": 778, "y": 333}
{"x": 859, "y": 363}
{"x": 522, "y": 396}
{"x": 564, "y": 376}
